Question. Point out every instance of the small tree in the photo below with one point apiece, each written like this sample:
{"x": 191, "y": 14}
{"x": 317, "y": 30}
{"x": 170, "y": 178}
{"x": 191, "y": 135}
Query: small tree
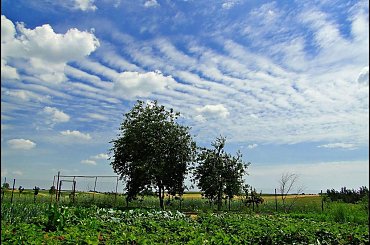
{"x": 152, "y": 151}
{"x": 287, "y": 183}
{"x": 20, "y": 189}
{"x": 52, "y": 190}
{"x": 35, "y": 192}
{"x": 6, "y": 186}
{"x": 219, "y": 173}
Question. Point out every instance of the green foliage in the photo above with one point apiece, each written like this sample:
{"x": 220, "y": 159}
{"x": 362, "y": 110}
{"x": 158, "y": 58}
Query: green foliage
{"x": 94, "y": 225}
{"x": 218, "y": 173}
{"x": 52, "y": 190}
{"x": 55, "y": 218}
{"x": 347, "y": 195}
{"x": 5, "y": 186}
{"x": 36, "y": 190}
{"x": 152, "y": 151}
{"x": 42, "y": 223}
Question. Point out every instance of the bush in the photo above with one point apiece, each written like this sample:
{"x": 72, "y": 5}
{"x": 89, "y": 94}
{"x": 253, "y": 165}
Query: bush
{"x": 348, "y": 196}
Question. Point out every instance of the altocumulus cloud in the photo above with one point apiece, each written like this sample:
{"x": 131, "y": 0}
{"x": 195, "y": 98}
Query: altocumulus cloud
{"x": 100, "y": 156}
{"x": 92, "y": 159}
{"x": 76, "y": 134}
{"x": 338, "y": 145}
{"x": 88, "y": 162}
{"x": 210, "y": 111}
{"x": 56, "y": 116}
{"x": 85, "y": 5}
{"x": 21, "y": 144}
{"x": 129, "y": 85}
{"x": 252, "y": 146}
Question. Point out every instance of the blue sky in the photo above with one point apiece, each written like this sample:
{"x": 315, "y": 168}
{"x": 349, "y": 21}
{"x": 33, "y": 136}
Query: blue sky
{"x": 286, "y": 82}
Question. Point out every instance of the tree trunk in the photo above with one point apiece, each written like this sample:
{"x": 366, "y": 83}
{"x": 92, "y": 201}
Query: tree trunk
{"x": 161, "y": 196}
{"x": 219, "y": 200}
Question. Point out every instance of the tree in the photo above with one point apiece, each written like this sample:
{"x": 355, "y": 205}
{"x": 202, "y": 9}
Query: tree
{"x": 52, "y": 190}
{"x": 219, "y": 173}
{"x": 36, "y": 190}
{"x": 287, "y": 182}
{"x": 152, "y": 151}
{"x": 6, "y": 186}
{"x": 20, "y": 189}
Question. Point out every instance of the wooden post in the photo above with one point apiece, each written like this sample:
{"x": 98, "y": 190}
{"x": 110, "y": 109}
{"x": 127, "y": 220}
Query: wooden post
{"x": 275, "y": 201}
{"x": 57, "y": 189}
{"x": 60, "y": 188}
{"x": 96, "y": 179}
{"x": 2, "y": 197}
{"x": 74, "y": 189}
{"x": 11, "y": 200}
{"x": 115, "y": 197}
{"x": 51, "y": 194}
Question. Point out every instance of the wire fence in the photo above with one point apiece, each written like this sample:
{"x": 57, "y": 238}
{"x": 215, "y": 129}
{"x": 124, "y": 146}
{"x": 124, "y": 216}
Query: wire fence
{"x": 103, "y": 185}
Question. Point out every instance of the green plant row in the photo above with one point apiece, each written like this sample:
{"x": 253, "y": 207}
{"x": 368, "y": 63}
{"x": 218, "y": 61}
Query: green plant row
{"x": 93, "y": 225}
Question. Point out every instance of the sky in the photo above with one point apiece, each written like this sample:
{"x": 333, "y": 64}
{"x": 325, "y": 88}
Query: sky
{"x": 286, "y": 82}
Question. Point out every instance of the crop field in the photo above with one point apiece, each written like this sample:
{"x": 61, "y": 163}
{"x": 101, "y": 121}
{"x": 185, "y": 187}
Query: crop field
{"x": 105, "y": 219}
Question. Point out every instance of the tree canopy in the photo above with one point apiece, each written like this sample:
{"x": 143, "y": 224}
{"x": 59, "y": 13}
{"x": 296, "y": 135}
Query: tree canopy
{"x": 152, "y": 150}
{"x": 219, "y": 173}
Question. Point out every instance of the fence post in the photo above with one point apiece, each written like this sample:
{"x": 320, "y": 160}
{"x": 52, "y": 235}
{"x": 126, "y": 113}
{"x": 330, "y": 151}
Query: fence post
{"x": 56, "y": 192}
{"x": 74, "y": 190}
{"x": 2, "y": 194}
{"x": 115, "y": 197}
{"x": 51, "y": 194}
{"x": 96, "y": 178}
{"x": 11, "y": 200}
{"x": 275, "y": 201}
{"x": 60, "y": 188}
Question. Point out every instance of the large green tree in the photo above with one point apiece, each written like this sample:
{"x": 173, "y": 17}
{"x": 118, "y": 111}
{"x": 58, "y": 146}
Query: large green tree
{"x": 218, "y": 173}
{"x": 152, "y": 151}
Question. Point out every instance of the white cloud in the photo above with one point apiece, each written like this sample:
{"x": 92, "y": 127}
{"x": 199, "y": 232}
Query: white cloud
{"x": 252, "y": 146}
{"x": 8, "y": 72}
{"x": 151, "y": 3}
{"x": 101, "y": 156}
{"x": 26, "y": 95}
{"x": 230, "y": 4}
{"x": 97, "y": 116}
{"x": 199, "y": 118}
{"x": 44, "y": 44}
{"x": 129, "y": 85}
{"x": 21, "y": 144}
{"x": 55, "y": 115}
{"x": 338, "y": 145}
{"x": 85, "y": 5}
{"x": 76, "y": 134}
{"x": 88, "y": 162}
{"x": 44, "y": 51}
{"x": 92, "y": 159}
{"x": 7, "y": 29}
{"x": 217, "y": 110}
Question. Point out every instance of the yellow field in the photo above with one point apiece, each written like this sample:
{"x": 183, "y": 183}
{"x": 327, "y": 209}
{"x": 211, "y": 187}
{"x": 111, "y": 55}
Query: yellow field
{"x": 269, "y": 197}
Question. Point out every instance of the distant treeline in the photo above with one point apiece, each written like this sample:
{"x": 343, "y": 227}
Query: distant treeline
{"x": 348, "y": 195}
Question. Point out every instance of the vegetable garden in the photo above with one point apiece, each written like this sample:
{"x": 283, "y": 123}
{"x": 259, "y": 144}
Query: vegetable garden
{"x": 105, "y": 221}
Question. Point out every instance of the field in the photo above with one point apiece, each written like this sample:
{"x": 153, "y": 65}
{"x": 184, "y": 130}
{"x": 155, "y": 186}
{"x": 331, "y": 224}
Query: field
{"x": 105, "y": 219}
